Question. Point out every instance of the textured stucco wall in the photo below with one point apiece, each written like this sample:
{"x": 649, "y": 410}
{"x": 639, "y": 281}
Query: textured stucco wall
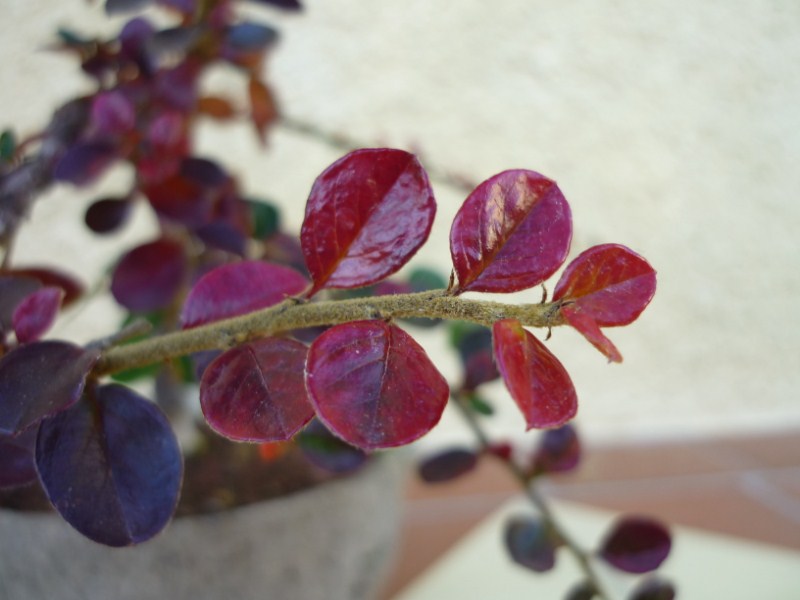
{"x": 672, "y": 127}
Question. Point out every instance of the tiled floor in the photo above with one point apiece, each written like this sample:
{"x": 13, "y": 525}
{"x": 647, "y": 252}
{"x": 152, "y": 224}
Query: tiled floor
{"x": 745, "y": 486}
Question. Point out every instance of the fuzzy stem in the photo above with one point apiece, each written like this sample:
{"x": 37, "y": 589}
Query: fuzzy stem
{"x": 296, "y": 314}
{"x": 528, "y": 484}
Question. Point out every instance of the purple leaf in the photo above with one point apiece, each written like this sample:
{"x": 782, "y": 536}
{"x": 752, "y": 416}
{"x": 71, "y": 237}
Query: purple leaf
{"x": 367, "y": 214}
{"x": 256, "y": 392}
{"x": 636, "y": 545}
{"x": 239, "y": 288}
{"x": 107, "y": 215}
{"x": 148, "y": 277}
{"x": 111, "y": 466}
{"x": 17, "y": 464}
{"x": 223, "y": 236}
{"x": 653, "y": 588}
{"x": 112, "y": 113}
{"x": 536, "y": 379}
{"x": 559, "y": 450}
{"x": 84, "y": 162}
{"x": 531, "y": 543}
{"x": 40, "y": 379}
{"x": 512, "y": 232}
{"x": 373, "y": 385}
{"x": 447, "y": 465}
{"x": 73, "y": 289}
{"x": 328, "y": 452}
{"x": 14, "y": 288}
{"x": 37, "y": 313}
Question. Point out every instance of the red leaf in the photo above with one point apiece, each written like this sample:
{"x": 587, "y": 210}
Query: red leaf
{"x": 263, "y": 108}
{"x": 36, "y": 313}
{"x": 587, "y": 327}
{"x": 256, "y": 392}
{"x": 538, "y": 382}
{"x": 609, "y": 283}
{"x": 636, "y": 545}
{"x": 373, "y": 385}
{"x": 512, "y": 232}
{"x": 239, "y": 288}
{"x": 149, "y": 276}
{"x": 367, "y": 214}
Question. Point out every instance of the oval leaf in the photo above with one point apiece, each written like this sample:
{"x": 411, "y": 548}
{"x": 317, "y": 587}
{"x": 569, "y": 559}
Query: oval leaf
{"x": 111, "y": 466}
{"x": 367, "y": 214}
{"x": 148, "y": 277}
{"x": 588, "y": 328}
{"x": 256, "y": 392}
{"x": 73, "y": 289}
{"x": 239, "y": 288}
{"x": 263, "y": 107}
{"x": 40, "y": 379}
{"x": 327, "y": 451}
{"x": 14, "y": 288}
{"x": 531, "y": 543}
{"x": 538, "y": 382}
{"x": 36, "y": 313}
{"x": 653, "y": 588}
{"x": 17, "y": 464}
{"x": 373, "y": 385}
{"x": 512, "y": 232}
{"x": 559, "y": 450}
{"x": 107, "y": 215}
{"x": 84, "y": 162}
{"x": 609, "y": 283}
{"x": 636, "y": 545}
{"x": 447, "y": 465}
{"x": 112, "y": 113}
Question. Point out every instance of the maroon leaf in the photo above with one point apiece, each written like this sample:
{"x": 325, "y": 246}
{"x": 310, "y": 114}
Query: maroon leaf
{"x": 531, "y": 543}
{"x": 538, "y": 382}
{"x": 111, "y": 466}
{"x": 373, "y": 385}
{"x": 256, "y": 392}
{"x": 367, "y": 214}
{"x": 14, "y": 288}
{"x": 239, "y": 288}
{"x": 149, "y": 276}
{"x": 512, "y": 232}
{"x": 447, "y": 465}
{"x": 609, "y": 283}
{"x": 40, "y": 379}
{"x": 84, "y": 162}
{"x": 107, "y": 215}
{"x": 636, "y": 545}
{"x": 559, "y": 450}
{"x": 17, "y": 464}
{"x": 588, "y": 328}
{"x": 36, "y": 313}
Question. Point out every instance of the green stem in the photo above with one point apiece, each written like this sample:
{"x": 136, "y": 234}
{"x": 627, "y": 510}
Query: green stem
{"x": 295, "y": 314}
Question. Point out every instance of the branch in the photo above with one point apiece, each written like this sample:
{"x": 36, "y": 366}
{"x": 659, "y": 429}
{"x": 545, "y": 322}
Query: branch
{"x": 296, "y": 314}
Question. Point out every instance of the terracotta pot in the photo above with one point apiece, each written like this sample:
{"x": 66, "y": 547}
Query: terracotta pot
{"x": 330, "y": 542}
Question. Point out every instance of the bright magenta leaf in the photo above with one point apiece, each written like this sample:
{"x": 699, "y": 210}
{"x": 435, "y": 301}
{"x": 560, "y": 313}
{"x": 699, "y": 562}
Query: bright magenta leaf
{"x": 373, "y": 385}
{"x": 256, "y": 392}
{"x": 538, "y": 382}
{"x": 512, "y": 232}
{"x": 36, "y": 313}
{"x": 588, "y": 328}
{"x": 609, "y": 283}
{"x": 367, "y": 214}
{"x": 239, "y": 288}
{"x": 636, "y": 545}
{"x": 148, "y": 277}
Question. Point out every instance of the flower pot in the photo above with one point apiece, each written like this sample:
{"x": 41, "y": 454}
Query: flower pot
{"x": 333, "y": 541}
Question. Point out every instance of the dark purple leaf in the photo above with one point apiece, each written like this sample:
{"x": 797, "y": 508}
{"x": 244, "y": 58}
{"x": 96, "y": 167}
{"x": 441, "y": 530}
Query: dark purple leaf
{"x": 512, "y": 232}
{"x": 584, "y": 590}
{"x": 653, "y": 588}
{"x": 559, "y": 450}
{"x": 531, "y": 543}
{"x": 17, "y": 464}
{"x": 116, "y": 7}
{"x": 73, "y": 289}
{"x": 205, "y": 173}
{"x": 223, "y": 236}
{"x": 536, "y": 379}
{"x": 284, "y": 4}
{"x": 84, "y": 162}
{"x": 373, "y": 385}
{"x": 447, "y": 465}
{"x": 173, "y": 40}
{"x": 239, "y": 288}
{"x": 107, "y": 215}
{"x": 133, "y": 40}
{"x": 36, "y": 313}
{"x": 479, "y": 368}
{"x": 251, "y": 36}
{"x": 178, "y": 86}
{"x": 112, "y": 113}
{"x": 636, "y": 545}
{"x": 367, "y": 214}
{"x": 111, "y": 466}
{"x": 328, "y": 452}
{"x": 40, "y": 379}
{"x": 256, "y": 392}
{"x": 14, "y": 288}
{"x": 148, "y": 277}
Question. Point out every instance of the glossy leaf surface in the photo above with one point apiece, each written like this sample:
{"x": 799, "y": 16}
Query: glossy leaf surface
{"x": 588, "y": 328}
{"x": 536, "y": 379}
{"x": 147, "y": 278}
{"x": 327, "y": 451}
{"x": 653, "y": 588}
{"x": 239, "y": 288}
{"x": 512, "y": 232}
{"x": 111, "y": 466}
{"x": 636, "y": 545}
{"x": 367, "y": 214}
{"x": 17, "y": 464}
{"x": 256, "y": 392}
{"x": 107, "y": 215}
{"x": 40, "y": 379}
{"x": 609, "y": 283}
{"x": 36, "y": 313}
{"x": 531, "y": 543}
{"x": 447, "y": 465}
{"x": 373, "y": 385}
{"x": 559, "y": 450}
